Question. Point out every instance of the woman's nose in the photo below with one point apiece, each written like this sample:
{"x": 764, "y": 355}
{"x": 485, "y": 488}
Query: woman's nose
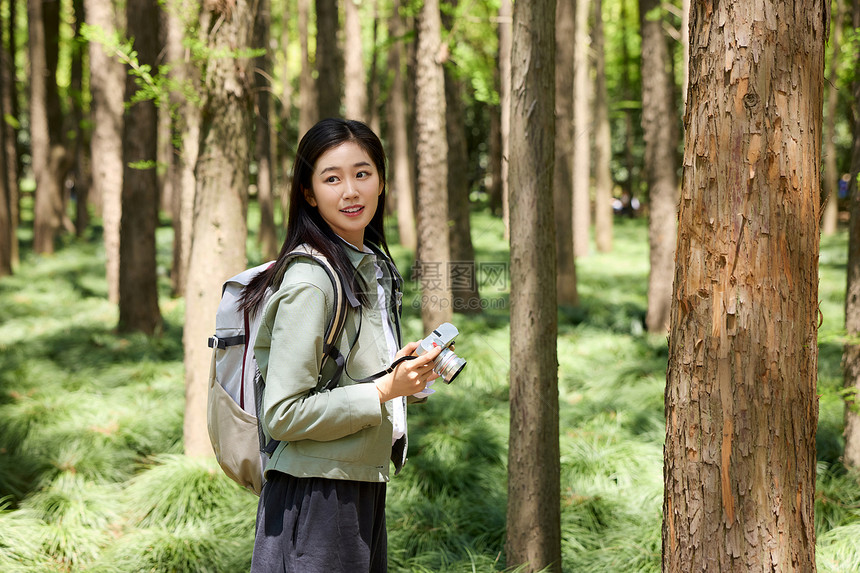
{"x": 350, "y": 189}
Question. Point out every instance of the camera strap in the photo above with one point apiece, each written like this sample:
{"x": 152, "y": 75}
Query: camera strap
{"x": 379, "y": 374}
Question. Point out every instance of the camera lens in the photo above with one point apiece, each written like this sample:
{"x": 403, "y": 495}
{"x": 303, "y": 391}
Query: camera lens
{"x": 448, "y": 365}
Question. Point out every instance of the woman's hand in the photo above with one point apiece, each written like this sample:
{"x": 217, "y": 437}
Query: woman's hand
{"x": 410, "y": 376}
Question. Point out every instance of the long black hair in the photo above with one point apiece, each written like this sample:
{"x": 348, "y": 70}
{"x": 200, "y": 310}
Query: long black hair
{"x": 306, "y": 225}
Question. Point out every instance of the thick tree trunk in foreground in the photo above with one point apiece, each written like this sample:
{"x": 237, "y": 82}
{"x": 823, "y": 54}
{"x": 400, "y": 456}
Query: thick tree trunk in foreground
{"x": 138, "y": 281}
{"x": 220, "y": 204}
{"x": 433, "y": 257}
{"x": 741, "y": 403}
{"x": 533, "y": 514}
{"x": 658, "y": 123}
{"x": 562, "y": 183}
{"x": 851, "y": 352}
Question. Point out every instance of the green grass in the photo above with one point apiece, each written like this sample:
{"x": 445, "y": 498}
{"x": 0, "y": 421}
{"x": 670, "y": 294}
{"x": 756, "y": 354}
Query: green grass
{"x": 92, "y": 476}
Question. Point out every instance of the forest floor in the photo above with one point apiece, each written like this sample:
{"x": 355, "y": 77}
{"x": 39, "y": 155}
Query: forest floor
{"x": 92, "y": 476}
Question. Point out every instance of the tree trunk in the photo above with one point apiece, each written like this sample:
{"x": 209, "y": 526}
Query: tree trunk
{"x": 581, "y": 133}
{"x": 401, "y": 158}
{"x": 658, "y": 123}
{"x": 602, "y": 141}
{"x": 565, "y": 28}
{"x": 741, "y": 403}
{"x": 138, "y": 280}
{"x": 308, "y": 109}
{"x": 107, "y": 87}
{"x": 494, "y": 188}
{"x": 355, "y": 83}
{"x": 463, "y": 271}
{"x": 9, "y": 95}
{"x": 632, "y": 183}
{"x": 373, "y": 83}
{"x": 220, "y": 204}
{"x": 831, "y": 171}
{"x": 7, "y": 238}
{"x": 82, "y": 167}
{"x": 505, "y": 46}
{"x": 851, "y": 352}
{"x": 263, "y": 149}
{"x": 182, "y": 15}
{"x": 533, "y": 514}
{"x": 48, "y": 153}
{"x": 328, "y": 58}
{"x": 432, "y": 259}
{"x": 685, "y": 50}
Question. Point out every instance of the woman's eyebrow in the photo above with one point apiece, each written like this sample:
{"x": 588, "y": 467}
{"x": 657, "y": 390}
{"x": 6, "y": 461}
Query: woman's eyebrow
{"x": 336, "y": 168}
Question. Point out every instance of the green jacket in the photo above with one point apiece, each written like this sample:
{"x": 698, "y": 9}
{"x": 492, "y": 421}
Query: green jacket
{"x": 343, "y": 433}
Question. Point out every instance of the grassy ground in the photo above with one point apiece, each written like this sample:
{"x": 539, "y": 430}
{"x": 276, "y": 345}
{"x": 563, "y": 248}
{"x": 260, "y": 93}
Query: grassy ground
{"x": 93, "y": 479}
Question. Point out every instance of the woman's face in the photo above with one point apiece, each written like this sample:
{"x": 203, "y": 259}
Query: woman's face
{"x": 345, "y": 188}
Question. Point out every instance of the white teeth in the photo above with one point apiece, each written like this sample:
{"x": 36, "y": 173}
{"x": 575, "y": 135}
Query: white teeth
{"x": 351, "y": 209}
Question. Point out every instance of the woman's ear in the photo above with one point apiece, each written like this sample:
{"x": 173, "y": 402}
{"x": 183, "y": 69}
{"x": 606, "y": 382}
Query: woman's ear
{"x": 309, "y": 197}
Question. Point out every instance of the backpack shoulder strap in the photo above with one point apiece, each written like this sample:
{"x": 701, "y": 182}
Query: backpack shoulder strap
{"x": 337, "y": 321}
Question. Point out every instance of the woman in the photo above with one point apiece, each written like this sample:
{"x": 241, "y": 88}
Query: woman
{"x": 323, "y": 505}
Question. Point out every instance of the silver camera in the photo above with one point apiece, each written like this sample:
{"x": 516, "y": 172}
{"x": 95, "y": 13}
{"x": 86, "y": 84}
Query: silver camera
{"x": 447, "y": 364}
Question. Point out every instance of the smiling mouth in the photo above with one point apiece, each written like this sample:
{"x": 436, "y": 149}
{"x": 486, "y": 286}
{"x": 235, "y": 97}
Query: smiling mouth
{"x": 354, "y": 210}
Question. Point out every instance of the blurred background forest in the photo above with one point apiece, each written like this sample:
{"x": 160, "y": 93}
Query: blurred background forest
{"x": 146, "y": 147}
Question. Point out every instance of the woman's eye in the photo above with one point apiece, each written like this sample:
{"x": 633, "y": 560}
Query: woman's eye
{"x": 362, "y": 174}
{"x": 331, "y": 179}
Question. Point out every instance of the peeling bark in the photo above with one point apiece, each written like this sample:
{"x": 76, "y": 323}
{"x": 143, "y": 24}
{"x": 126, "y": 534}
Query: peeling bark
{"x": 741, "y": 403}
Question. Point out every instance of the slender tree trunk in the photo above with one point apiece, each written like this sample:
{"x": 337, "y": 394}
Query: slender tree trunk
{"x": 81, "y": 161}
{"x": 632, "y": 183}
{"x": 463, "y": 274}
{"x": 432, "y": 259}
{"x": 7, "y": 238}
{"x": 851, "y": 352}
{"x": 265, "y": 196}
{"x": 166, "y": 150}
{"x": 831, "y": 171}
{"x": 602, "y": 141}
{"x": 355, "y": 83}
{"x": 741, "y": 403}
{"x": 138, "y": 281}
{"x": 533, "y": 514}
{"x": 49, "y": 155}
{"x": 9, "y": 95}
{"x": 581, "y": 133}
{"x": 328, "y": 59}
{"x": 494, "y": 187}
{"x": 107, "y": 86}
{"x": 463, "y": 271}
{"x": 505, "y": 46}
{"x": 401, "y": 158}
{"x": 565, "y": 28}
{"x": 220, "y": 204}
{"x": 658, "y": 123}
{"x": 685, "y": 49}
{"x": 308, "y": 109}
{"x": 372, "y": 89}
{"x": 180, "y": 16}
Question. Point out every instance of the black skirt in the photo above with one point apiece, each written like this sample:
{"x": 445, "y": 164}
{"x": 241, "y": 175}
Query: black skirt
{"x": 310, "y": 525}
